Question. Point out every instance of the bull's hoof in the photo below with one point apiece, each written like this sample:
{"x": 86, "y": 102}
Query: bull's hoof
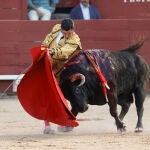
{"x": 139, "y": 129}
{"x": 121, "y": 130}
{"x": 48, "y": 130}
{"x": 64, "y": 128}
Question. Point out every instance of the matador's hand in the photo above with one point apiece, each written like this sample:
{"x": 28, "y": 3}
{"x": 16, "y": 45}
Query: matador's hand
{"x": 51, "y": 52}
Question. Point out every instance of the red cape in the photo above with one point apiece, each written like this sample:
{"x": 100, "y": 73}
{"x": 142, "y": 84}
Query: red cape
{"x": 39, "y": 92}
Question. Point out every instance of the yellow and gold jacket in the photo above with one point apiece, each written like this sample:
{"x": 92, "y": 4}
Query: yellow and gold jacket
{"x": 64, "y": 49}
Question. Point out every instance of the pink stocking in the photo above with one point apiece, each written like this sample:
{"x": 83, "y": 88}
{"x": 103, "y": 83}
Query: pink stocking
{"x": 46, "y": 123}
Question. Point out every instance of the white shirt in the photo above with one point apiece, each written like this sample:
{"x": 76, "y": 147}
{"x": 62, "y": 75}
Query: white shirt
{"x": 60, "y": 35}
{"x": 85, "y": 11}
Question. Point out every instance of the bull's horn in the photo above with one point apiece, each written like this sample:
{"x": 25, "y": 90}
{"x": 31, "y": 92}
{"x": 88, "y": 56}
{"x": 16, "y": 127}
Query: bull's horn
{"x": 77, "y": 76}
{"x": 108, "y": 88}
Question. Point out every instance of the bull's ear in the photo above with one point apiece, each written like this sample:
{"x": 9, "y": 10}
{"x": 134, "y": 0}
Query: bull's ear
{"x": 78, "y": 78}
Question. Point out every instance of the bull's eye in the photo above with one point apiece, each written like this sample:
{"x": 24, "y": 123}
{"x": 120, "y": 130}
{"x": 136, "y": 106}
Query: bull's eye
{"x": 77, "y": 90}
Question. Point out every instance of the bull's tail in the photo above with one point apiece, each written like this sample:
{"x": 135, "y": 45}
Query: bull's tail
{"x": 135, "y": 47}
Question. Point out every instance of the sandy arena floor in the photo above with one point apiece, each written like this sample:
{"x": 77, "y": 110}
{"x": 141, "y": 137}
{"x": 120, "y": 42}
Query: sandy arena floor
{"x": 19, "y": 131}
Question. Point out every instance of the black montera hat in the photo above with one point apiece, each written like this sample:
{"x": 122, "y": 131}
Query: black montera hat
{"x": 67, "y": 24}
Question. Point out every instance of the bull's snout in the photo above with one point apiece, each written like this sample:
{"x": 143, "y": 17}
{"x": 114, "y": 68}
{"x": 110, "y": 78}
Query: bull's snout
{"x": 84, "y": 108}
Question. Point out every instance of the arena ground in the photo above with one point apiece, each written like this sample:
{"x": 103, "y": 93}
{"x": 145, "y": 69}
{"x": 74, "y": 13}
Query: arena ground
{"x": 96, "y": 131}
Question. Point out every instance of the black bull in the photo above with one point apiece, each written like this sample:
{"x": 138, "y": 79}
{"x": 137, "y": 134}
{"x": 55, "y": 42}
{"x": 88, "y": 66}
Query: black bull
{"x": 127, "y": 75}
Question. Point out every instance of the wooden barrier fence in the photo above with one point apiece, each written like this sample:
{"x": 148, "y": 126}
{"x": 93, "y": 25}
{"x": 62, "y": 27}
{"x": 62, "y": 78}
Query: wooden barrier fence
{"x": 13, "y": 9}
{"x": 18, "y": 36}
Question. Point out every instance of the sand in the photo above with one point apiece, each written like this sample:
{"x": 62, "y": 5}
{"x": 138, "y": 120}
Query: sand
{"x": 96, "y": 130}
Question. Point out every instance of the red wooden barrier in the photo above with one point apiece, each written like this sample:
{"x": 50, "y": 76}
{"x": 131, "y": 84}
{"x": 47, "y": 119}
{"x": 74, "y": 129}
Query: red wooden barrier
{"x": 118, "y": 9}
{"x": 13, "y": 9}
{"x": 123, "y": 9}
{"x": 17, "y": 37}
{"x": 66, "y": 3}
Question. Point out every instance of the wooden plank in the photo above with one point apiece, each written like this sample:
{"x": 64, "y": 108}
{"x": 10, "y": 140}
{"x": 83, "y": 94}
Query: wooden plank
{"x": 104, "y": 35}
{"x": 102, "y": 24}
{"x": 10, "y": 36}
{"x": 123, "y": 10}
{"x": 140, "y": 24}
{"x": 10, "y": 14}
{"x": 9, "y": 59}
{"x": 25, "y": 46}
{"x": 35, "y": 36}
{"x": 108, "y": 45}
{"x": 7, "y": 46}
{"x": 9, "y": 25}
{"x": 24, "y": 10}
{"x": 13, "y": 9}
{"x": 13, "y": 59}
{"x": 13, "y": 69}
{"x": 9, "y": 31}
{"x": 38, "y": 26}
{"x": 66, "y": 3}
{"x": 10, "y": 3}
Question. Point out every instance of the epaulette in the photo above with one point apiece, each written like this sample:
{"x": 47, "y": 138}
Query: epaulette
{"x": 56, "y": 28}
